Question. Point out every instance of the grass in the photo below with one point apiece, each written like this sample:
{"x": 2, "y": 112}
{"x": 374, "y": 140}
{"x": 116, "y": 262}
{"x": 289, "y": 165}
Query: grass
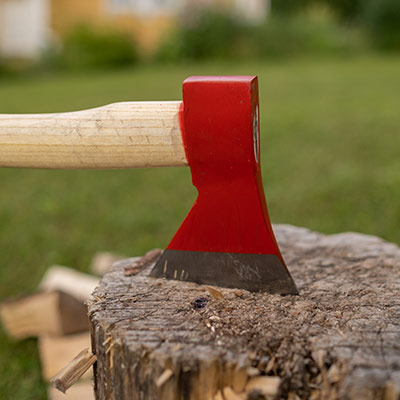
{"x": 330, "y": 157}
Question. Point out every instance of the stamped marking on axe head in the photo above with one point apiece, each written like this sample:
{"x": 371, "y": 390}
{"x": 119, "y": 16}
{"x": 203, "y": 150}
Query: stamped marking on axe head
{"x": 227, "y": 238}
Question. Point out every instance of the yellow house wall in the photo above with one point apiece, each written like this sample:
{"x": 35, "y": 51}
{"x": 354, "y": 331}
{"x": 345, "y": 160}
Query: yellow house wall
{"x": 146, "y": 32}
{"x": 65, "y": 14}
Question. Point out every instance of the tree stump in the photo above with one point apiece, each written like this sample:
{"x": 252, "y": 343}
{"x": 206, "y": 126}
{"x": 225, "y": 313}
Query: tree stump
{"x": 338, "y": 339}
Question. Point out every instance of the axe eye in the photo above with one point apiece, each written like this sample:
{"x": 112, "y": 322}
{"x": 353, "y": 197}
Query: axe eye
{"x": 256, "y": 134}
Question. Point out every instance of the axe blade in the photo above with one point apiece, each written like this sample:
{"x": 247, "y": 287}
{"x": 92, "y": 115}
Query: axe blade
{"x": 254, "y": 272}
{"x": 227, "y": 238}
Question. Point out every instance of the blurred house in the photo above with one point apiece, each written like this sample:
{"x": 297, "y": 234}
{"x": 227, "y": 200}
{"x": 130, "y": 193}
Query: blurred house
{"x": 28, "y": 26}
{"x": 24, "y": 27}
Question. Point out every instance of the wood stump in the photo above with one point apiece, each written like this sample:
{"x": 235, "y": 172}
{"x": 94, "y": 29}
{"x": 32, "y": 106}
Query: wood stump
{"x": 338, "y": 339}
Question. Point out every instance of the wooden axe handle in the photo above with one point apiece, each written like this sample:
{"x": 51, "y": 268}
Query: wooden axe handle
{"x": 120, "y": 135}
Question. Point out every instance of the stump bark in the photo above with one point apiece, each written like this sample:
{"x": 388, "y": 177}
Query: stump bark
{"x": 338, "y": 339}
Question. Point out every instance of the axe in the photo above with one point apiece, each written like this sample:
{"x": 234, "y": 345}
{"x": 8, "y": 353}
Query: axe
{"x": 226, "y": 239}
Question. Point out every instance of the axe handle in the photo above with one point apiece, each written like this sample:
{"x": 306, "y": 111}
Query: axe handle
{"x": 120, "y": 135}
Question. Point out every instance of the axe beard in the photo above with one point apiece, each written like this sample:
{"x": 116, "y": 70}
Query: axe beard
{"x": 226, "y": 239}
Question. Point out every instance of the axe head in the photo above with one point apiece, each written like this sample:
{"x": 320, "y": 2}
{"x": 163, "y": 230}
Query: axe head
{"x": 226, "y": 239}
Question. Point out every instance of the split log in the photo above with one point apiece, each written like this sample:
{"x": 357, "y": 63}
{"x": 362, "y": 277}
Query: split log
{"x": 103, "y": 261}
{"x": 69, "y": 280}
{"x": 44, "y": 313}
{"x": 338, "y": 339}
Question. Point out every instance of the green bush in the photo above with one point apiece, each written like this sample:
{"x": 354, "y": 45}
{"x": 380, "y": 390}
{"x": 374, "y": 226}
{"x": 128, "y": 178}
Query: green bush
{"x": 85, "y": 47}
{"x": 3, "y": 69}
{"x": 214, "y": 36}
{"x": 208, "y": 35}
{"x": 346, "y": 10}
{"x": 382, "y": 19}
{"x": 302, "y": 35}
{"x": 285, "y": 7}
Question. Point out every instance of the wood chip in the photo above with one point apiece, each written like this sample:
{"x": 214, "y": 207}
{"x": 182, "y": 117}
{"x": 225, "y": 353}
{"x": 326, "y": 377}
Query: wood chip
{"x": 164, "y": 377}
{"x": 270, "y": 365}
{"x": 293, "y": 396}
{"x": 56, "y": 351}
{"x": 143, "y": 262}
{"x": 215, "y": 293}
{"x": 251, "y": 371}
{"x": 238, "y": 293}
{"x": 74, "y": 370}
{"x": 218, "y": 396}
{"x": 229, "y": 394}
{"x": 333, "y": 374}
{"x": 239, "y": 379}
{"x": 319, "y": 357}
{"x": 392, "y": 390}
{"x": 266, "y": 385}
{"x": 316, "y": 395}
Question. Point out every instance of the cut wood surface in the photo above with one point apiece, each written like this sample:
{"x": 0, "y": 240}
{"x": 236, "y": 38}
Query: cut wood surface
{"x": 53, "y": 313}
{"x": 69, "y": 280}
{"x": 120, "y": 135}
{"x": 57, "y": 351}
{"x": 338, "y": 339}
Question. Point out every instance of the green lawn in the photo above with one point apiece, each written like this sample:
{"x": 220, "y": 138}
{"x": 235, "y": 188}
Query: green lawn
{"x": 330, "y": 156}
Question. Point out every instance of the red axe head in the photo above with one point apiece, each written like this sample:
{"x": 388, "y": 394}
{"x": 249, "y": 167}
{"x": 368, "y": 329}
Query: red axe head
{"x": 227, "y": 238}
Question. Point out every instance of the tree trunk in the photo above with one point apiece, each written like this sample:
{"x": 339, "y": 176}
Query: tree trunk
{"x": 338, "y": 339}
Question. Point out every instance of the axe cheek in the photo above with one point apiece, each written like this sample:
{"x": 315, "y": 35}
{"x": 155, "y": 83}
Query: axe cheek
{"x": 220, "y": 131}
{"x": 226, "y": 218}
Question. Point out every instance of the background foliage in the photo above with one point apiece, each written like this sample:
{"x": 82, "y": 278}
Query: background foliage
{"x": 316, "y": 27}
{"x": 88, "y": 48}
{"x": 293, "y": 28}
{"x": 219, "y": 36}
